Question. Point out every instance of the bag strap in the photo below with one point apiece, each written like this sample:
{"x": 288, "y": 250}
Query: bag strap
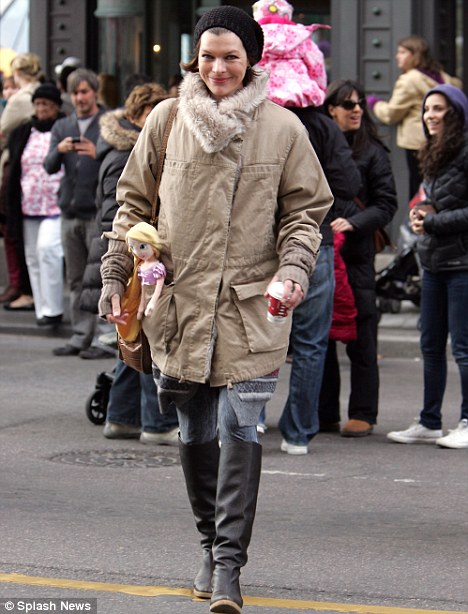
{"x": 359, "y": 202}
{"x": 159, "y": 169}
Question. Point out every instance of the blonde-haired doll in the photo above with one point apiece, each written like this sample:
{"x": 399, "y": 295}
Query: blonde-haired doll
{"x": 144, "y": 242}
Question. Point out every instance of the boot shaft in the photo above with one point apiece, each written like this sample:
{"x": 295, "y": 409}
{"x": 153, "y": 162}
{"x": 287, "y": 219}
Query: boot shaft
{"x": 236, "y": 501}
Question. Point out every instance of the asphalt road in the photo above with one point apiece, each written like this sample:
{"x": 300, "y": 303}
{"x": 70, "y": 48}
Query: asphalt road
{"x": 363, "y": 526}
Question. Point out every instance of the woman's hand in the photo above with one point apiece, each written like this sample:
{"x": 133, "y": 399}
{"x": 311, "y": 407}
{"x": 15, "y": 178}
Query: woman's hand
{"x": 416, "y": 217}
{"x": 292, "y": 292}
{"x": 341, "y": 225}
{"x": 116, "y": 317}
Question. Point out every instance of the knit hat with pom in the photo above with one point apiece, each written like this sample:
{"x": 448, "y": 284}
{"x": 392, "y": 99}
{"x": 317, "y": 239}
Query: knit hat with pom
{"x": 235, "y": 20}
{"x": 264, "y": 9}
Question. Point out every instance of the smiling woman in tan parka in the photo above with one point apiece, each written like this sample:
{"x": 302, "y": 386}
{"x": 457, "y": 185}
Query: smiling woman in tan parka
{"x": 242, "y": 198}
{"x": 420, "y": 73}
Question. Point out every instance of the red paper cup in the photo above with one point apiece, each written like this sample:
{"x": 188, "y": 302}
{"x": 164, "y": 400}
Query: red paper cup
{"x": 277, "y": 311}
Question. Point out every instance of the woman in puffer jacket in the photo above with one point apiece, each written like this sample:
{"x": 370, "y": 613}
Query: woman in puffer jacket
{"x": 133, "y": 410}
{"x": 359, "y": 219}
{"x": 442, "y": 225}
{"x": 119, "y": 131}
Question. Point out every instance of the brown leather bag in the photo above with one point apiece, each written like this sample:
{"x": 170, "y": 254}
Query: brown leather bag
{"x": 381, "y": 237}
{"x": 136, "y": 354}
{"x": 381, "y": 240}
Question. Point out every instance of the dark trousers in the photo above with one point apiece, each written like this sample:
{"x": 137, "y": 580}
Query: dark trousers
{"x": 443, "y": 311}
{"x": 362, "y": 353}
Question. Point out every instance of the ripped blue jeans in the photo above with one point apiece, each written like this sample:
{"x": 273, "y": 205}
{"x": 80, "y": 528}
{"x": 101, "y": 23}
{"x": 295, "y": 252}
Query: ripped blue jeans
{"x": 231, "y": 414}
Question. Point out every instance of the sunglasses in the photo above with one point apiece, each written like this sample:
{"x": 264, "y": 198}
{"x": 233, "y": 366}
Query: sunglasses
{"x": 348, "y": 105}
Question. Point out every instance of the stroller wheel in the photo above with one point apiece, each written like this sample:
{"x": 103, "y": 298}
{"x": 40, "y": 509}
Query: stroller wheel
{"x": 96, "y": 407}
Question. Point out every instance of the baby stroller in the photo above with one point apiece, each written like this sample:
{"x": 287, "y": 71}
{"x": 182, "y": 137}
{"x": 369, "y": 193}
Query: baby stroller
{"x": 401, "y": 279}
{"x": 96, "y": 404}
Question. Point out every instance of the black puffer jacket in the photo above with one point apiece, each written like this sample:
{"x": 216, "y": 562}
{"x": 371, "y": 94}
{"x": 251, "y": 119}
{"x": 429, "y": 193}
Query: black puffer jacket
{"x": 444, "y": 247}
{"x": 379, "y": 197}
{"x": 335, "y": 157}
{"x": 118, "y": 136}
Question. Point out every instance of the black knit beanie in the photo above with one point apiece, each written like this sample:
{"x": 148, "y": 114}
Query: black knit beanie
{"x": 48, "y": 91}
{"x": 235, "y": 20}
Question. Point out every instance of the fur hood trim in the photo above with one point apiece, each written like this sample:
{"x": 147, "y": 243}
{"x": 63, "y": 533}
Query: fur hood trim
{"x": 213, "y": 124}
{"x": 117, "y": 131}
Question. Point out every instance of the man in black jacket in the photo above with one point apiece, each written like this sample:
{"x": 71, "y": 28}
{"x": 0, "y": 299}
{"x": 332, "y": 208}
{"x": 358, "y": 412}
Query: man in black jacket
{"x": 73, "y": 145}
{"x": 311, "y": 320}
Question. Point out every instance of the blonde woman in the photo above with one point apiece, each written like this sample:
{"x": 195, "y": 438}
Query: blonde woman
{"x": 419, "y": 73}
{"x": 26, "y": 71}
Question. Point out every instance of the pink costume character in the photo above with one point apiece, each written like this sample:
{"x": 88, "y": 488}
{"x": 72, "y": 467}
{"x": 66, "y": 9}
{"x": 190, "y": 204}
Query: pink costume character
{"x": 143, "y": 240}
{"x": 294, "y": 62}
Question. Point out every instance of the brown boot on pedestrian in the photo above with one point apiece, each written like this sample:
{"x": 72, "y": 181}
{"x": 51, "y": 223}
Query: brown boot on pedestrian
{"x": 356, "y": 428}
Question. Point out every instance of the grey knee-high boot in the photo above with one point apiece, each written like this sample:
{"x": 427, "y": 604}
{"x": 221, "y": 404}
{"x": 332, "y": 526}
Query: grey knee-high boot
{"x": 200, "y": 464}
{"x": 236, "y": 501}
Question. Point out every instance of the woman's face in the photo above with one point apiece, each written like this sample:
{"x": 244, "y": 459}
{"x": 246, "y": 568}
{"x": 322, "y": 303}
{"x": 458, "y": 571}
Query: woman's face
{"x": 45, "y": 109}
{"x": 222, "y": 63}
{"x": 435, "y": 108}
{"x": 9, "y": 88}
{"x": 404, "y": 58}
{"x": 143, "y": 251}
{"x": 348, "y": 114}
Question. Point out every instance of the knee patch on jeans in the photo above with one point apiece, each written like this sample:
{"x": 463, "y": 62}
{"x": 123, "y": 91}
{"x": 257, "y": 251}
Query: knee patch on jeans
{"x": 248, "y": 398}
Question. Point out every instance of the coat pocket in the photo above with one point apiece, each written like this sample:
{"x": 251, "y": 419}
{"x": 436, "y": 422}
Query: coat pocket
{"x": 262, "y": 335}
{"x": 162, "y": 326}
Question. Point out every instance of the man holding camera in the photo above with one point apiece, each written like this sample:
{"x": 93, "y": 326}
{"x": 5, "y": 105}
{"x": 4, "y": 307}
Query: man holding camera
{"x": 73, "y": 145}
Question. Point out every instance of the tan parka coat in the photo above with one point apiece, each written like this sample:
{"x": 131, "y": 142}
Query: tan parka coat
{"x": 405, "y": 106}
{"x": 242, "y": 197}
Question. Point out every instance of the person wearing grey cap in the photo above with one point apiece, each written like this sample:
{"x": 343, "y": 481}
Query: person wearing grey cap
{"x": 442, "y": 225}
{"x": 63, "y": 71}
{"x": 242, "y": 196}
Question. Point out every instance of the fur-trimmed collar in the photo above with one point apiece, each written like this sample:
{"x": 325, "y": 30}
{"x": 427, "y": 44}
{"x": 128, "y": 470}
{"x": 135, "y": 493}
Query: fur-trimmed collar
{"x": 213, "y": 124}
{"x": 117, "y": 131}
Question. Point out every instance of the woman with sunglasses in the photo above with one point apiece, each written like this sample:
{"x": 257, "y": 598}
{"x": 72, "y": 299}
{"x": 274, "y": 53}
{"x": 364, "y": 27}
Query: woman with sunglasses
{"x": 374, "y": 208}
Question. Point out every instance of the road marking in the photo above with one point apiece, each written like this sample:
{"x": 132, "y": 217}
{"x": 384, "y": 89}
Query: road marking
{"x": 261, "y": 602}
{"x": 292, "y": 473}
